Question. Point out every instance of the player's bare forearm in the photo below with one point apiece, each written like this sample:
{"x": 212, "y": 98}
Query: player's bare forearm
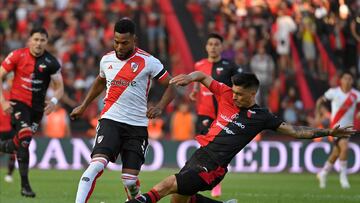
{"x": 302, "y": 132}
{"x": 95, "y": 90}
{"x": 58, "y": 85}
{"x": 167, "y": 97}
{"x": 196, "y": 76}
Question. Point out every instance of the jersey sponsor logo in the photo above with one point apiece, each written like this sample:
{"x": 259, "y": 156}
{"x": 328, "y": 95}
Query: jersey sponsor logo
{"x": 134, "y": 66}
{"x": 100, "y": 138}
{"x": 232, "y": 120}
{"x": 219, "y": 70}
{"x": 122, "y": 83}
{"x": 227, "y": 129}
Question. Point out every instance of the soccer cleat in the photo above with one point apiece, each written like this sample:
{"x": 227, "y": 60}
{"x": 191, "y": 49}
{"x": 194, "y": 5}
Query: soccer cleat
{"x": 322, "y": 179}
{"x": 8, "y": 179}
{"x": 231, "y": 201}
{"x": 27, "y": 192}
{"x": 216, "y": 191}
{"x": 344, "y": 181}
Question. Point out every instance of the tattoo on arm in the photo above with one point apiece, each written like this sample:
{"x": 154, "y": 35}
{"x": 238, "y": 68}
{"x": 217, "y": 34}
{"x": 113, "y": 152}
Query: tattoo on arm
{"x": 304, "y": 132}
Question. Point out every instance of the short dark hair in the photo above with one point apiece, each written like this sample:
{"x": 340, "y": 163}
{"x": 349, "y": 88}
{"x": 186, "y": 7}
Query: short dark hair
{"x": 40, "y": 30}
{"x": 346, "y": 73}
{"x": 246, "y": 80}
{"x": 215, "y": 35}
{"x": 125, "y": 25}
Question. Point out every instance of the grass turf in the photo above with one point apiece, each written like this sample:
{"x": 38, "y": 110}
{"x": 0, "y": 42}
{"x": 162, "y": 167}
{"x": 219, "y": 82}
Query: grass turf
{"x": 55, "y": 186}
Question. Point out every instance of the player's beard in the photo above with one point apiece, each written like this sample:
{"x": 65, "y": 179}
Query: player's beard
{"x": 124, "y": 56}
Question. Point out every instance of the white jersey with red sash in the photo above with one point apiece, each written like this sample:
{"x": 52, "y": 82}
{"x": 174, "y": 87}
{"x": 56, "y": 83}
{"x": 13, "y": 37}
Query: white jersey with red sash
{"x": 343, "y": 106}
{"x": 128, "y": 83}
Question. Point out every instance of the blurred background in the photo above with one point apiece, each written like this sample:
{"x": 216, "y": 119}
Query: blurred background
{"x": 309, "y": 42}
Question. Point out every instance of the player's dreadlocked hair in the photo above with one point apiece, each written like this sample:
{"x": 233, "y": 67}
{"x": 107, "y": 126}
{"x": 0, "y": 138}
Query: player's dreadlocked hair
{"x": 125, "y": 25}
{"x": 246, "y": 80}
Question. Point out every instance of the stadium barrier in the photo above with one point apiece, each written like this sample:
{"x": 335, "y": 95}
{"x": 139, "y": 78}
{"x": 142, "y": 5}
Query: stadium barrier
{"x": 256, "y": 157}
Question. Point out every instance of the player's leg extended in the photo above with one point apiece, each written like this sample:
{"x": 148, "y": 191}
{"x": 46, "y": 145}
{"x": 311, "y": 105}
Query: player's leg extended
{"x": 322, "y": 175}
{"x": 343, "y": 146}
{"x": 88, "y": 179}
{"x": 160, "y": 190}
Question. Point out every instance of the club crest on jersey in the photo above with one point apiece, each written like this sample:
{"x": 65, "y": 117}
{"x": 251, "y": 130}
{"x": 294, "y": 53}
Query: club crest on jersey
{"x": 249, "y": 113}
{"x": 219, "y": 70}
{"x": 42, "y": 67}
{"x": 134, "y": 66}
{"x": 100, "y": 138}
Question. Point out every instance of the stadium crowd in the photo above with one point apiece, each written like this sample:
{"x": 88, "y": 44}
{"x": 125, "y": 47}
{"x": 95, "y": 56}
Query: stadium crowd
{"x": 257, "y": 38}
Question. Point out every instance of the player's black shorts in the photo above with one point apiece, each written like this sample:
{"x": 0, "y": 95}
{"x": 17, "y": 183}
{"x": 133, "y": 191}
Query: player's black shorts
{"x": 130, "y": 141}
{"x": 24, "y": 116}
{"x": 200, "y": 173}
{"x": 203, "y": 124}
{"x": 7, "y": 134}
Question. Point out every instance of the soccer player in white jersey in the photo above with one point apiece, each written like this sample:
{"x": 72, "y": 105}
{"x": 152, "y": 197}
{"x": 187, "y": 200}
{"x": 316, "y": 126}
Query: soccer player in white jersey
{"x": 344, "y": 101}
{"x": 126, "y": 73}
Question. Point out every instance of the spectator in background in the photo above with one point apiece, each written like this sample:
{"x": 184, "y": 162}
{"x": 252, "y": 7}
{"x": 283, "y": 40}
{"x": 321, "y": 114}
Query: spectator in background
{"x": 285, "y": 25}
{"x": 262, "y": 65}
{"x": 292, "y": 106}
{"x": 307, "y": 31}
{"x": 182, "y": 123}
{"x": 57, "y": 124}
{"x": 155, "y": 128}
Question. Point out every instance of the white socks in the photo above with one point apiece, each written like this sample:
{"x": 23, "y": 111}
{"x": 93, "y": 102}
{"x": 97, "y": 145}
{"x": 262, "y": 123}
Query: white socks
{"x": 327, "y": 168}
{"x": 343, "y": 167}
{"x": 88, "y": 179}
{"x": 131, "y": 184}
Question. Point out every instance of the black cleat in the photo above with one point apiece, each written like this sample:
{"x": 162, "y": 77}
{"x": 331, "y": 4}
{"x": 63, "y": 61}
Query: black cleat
{"x": 27, "y": 192}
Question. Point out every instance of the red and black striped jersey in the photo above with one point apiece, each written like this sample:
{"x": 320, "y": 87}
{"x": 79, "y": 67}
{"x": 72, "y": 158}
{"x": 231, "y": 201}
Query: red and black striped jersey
{"x": 234, "y": 127}
{"x": 32, "y": 76}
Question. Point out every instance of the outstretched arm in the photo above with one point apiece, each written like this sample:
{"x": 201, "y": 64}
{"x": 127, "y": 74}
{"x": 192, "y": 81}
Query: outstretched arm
{"x": 196, "y": 76}
{"x": 98, "y": 86}
{"x": 304, "y": 132}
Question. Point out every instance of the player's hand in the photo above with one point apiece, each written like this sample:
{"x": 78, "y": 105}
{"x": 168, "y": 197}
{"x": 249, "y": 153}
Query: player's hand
{"x": 77, "y": 112}
{"x": 7, "y": 106}
{"x": 50, "y": 107}
{"x": 181, "y": 80}
{"x": 342, "y": 132}
{"x": 193, "y": 95}
{"x": 153, "y": 112}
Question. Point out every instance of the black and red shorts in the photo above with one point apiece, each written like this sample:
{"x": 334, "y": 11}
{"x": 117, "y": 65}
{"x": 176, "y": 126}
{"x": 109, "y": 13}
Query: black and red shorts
{"x": 114, "y": 138}
{"x": 24, "y": 116}
{"x": 200, "y": 173}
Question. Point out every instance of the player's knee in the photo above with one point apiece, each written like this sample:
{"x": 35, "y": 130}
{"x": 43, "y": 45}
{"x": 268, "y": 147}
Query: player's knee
{"x": 98, "y": 164}
{"x": 25, "y": 136}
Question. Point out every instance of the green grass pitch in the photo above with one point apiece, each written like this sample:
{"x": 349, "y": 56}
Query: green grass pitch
{"x": 56, "y": 186}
